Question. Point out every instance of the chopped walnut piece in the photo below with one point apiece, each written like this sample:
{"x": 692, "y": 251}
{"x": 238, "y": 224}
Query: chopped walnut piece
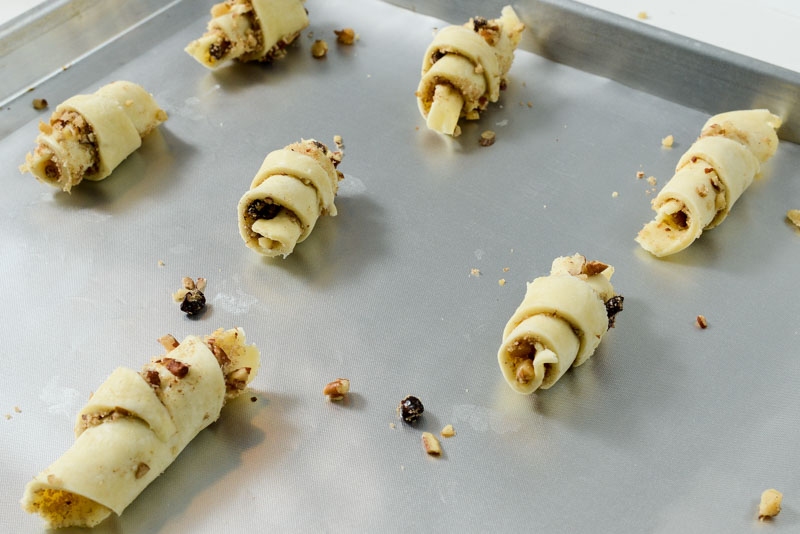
{"x": 431, "y": 444}
{"x": 169, "y": 342}
{"x": 487, "y": 138}
{"x": 591, "y": 268}
{"x": 337, "y": 389}
{"x": 448, "y": 431}
{"x": 153, "y": 378}
{"x": 345, "y": 36}
{"x": 701, "y": 322}
{"x": 794, "y": 216}
{"x": 237, "y": 380}
{"x": 177, "y": 368}
{"x": 639, "y": 174}
{"x": 770, "y": 504}
{"x": 319, "y": 49}
{"x": 141, "y": 470}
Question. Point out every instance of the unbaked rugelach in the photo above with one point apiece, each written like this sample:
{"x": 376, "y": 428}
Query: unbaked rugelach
{"x": 249, "y": 30}
{"x": 136, "y": 423}
{"x": 709, "y": 178}
{"x": 464, "y": 69}
{"x": 293, "y": 188}
{"x": 89, "y": 135}
{"x": 559, "y": 323}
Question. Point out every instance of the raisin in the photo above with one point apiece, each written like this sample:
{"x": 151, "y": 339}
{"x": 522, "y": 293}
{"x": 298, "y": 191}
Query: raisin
{"x": 194, "y": 302}
{"x": 259, "y": 209}
{"x": 437, "y": 56}
{"x": 613, "y": 307}
{"x": 478, "y": 23}
{"x": 410, "y": 409}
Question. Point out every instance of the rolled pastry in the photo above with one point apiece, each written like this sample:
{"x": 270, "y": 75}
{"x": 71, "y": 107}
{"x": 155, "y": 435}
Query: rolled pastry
{"x": 136, "y": 424}
{"x": 559, "y": 323}
{"x": 293, "y": 188}
{"x": 464, "y": 69}
{"x": 249, "y": 30}
{"x": 89, "y": 135}
{"x": 709, "y": 178}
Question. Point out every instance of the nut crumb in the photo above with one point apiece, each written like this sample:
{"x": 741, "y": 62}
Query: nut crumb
{"x": 794, "y": 216}
{"x": 474, "y": 272}
{"x": 161, "y": 263}
{"x": 668, "y": 141}
{"x": 392, "y": 426}
{"x": 530, "y": 104}
{"x": 169, "y": 342}
{"x": 652, "y": 180}
{"x": 701, "y": 322}
{"x": 8, "y": 417}
{"x": 337, "y": 139}
{"x": 501, "y": 282}
{"x": 40, "y": 103}
{"x": 319, "y": 49}
{"x": 337, "y": 389}
{"x": 141, "y": 470}
{"x": 177, "y": 368}
{"x": 487, "y": 138}
{"x": 506, "y": 269}
{"x": 639, "y": 174}
{"x": 431, "y": 444}
{"x": 448, "y": 431}
{"x": 770, "y": 504}
{"x": 346, "y": 36}
{"x": 17, "y": 409}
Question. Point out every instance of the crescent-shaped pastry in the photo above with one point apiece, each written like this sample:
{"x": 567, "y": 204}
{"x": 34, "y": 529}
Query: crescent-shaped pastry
{"x": 89, "y": 135}
{"x": 464, "y": 69}
{"x": 249, "y": 30}
{"x": 559, "y": 323}
{"x": 136, "y": 424}
{"x": 709, "y": 178}
{"x": 293, "y": 188}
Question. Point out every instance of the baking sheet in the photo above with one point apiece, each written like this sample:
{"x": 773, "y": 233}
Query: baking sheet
{"x": 667, "y": 428}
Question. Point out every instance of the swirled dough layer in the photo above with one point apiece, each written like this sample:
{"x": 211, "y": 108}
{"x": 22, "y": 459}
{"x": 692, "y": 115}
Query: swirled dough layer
{"x": 293, "y": 188}
{"x": 136, "y": 424}
{"x": 89, "y": 135}
{"x": 559, "y": 323}
{"x": 709, "y": 178}
{"x": 464, "y": 69}
{"x": 249, "y": 30}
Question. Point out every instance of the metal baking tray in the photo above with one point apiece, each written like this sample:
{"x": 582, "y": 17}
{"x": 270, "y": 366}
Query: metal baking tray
{"x": 668, "y": 428}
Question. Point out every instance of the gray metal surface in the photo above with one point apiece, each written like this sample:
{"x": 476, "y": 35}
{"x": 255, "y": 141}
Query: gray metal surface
{"x": 666, "y": 429}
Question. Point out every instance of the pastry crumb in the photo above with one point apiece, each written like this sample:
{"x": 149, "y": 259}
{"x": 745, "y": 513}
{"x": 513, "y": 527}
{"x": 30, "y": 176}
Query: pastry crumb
{"x": 701, "y": 322}
{"x": 642, "y": 15}
{"x": 319, "y": 49}
{"x": 448, "y": 431}
{"x": 770, "y": 504}
{"x": 506, "y": 269}
{"x": 652, "y": 180}
{"x": 794, "y": 217}
{"x": 392, "y": 426}
{"x": 431, "y": 444}
{"x": 668, "y": 141}
{"x": 639, "y": 174}
{"x": 161, "y": 263}
{"x": 474, "y": 272}
{"x": 501, "y": 282}
{"x": 17, "y": 409}
{"x": 615, "y": 194}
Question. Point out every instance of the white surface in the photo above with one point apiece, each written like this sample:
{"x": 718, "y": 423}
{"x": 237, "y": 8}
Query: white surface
{"x": 765, "y": 30}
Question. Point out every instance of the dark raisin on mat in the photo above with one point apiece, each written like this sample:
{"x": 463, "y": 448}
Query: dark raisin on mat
{"x": 258, "y": 209}
{"x": 194, "y": 302}
{"x": 218, "y": 51}
{"x": 410, "y": 409}
{"x": 613, "y": 307}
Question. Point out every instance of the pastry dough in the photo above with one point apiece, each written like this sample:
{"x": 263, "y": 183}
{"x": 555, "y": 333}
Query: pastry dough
{"x": 293, "y": 188}
{"x": 464, "y": 69}
{"x": 89, "y": 135}
{"x": 249, "y": 30}
{"x": 559, "y": 323}
{"x": 709, "y": 178}
{"x": 136, "y": 424}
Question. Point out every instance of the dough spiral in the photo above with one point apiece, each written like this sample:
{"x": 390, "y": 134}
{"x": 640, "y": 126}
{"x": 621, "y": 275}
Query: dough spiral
{"x": 709, "y": 178}
{"x": 89, "y": 135}
{"x": 559, "y": 323}
{"x": 464, "y": 69}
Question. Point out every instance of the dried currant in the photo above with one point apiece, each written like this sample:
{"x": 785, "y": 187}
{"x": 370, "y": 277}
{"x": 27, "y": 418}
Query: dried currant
{"x": 193, "y": 302}
{"x": 613, "y": 307}
{"x": 410, "y": 409}
{"x": 258, "y": 209}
